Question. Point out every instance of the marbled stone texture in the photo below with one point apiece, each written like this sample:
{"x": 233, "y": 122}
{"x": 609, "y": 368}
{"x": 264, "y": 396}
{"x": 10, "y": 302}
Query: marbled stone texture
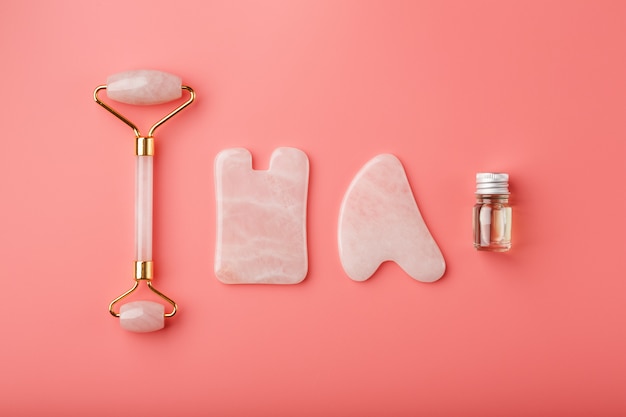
{"x": 144, "y": 87}
{"x": 142, "y": 316}
{"x": 261, "y": 218}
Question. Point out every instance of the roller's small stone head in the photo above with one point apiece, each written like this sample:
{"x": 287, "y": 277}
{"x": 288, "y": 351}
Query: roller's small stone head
{"x": 142, "y": 316}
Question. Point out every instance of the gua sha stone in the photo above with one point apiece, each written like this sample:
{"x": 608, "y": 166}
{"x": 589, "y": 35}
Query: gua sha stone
{"x": 261, "y": 218}
{"x": 142, "y": 316}
{"x": 379, "y": 221}
{"x": 144, "y": 87}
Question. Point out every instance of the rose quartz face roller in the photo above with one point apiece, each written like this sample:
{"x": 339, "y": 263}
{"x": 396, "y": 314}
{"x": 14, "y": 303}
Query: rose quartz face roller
{"x": 143, "y": 87}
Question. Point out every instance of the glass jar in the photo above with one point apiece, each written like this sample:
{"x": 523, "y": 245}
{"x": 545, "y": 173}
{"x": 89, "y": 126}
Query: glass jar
{"x": 492, "y": 213}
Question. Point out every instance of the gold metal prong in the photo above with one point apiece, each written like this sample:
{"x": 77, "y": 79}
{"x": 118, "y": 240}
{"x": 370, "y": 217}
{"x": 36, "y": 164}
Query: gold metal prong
{"x": 192, "y": 97}
{"x": 119, "y": 297}
{"x": 154, "y": 290}
{"x": 166, "y": 298}
{"x": 143, "y": 270}
{"x": 144, "y": 146}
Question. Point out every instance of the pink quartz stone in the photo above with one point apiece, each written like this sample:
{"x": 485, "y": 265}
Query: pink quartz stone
{"x": 261, "y": 218}
{"x": 144, "y": 87}
{"x": 142, "y": 316}
{"x": 380, "y": 221}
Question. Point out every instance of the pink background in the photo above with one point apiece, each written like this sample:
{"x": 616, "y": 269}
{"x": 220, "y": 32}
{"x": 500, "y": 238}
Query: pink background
{"x": 535, "y": 88}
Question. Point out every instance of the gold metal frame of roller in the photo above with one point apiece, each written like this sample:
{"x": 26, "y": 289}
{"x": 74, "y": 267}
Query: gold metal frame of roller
{"x": 144, "y": 146}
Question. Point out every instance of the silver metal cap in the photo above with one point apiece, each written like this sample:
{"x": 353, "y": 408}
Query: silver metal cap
{"x": 492, "y": 183}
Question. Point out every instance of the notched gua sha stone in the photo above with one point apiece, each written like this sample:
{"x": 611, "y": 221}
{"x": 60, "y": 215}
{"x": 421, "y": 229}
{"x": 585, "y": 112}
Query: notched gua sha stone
{"x": 261, "y": 218}
{"x": 142, "y": 316}
{"x": 379, "y": 221}
{"x": 144, "y": 87}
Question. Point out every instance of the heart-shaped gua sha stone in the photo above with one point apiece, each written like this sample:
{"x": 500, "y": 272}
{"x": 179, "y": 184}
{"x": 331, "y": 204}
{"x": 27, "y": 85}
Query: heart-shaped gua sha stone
{"x": 379, "y": 221}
